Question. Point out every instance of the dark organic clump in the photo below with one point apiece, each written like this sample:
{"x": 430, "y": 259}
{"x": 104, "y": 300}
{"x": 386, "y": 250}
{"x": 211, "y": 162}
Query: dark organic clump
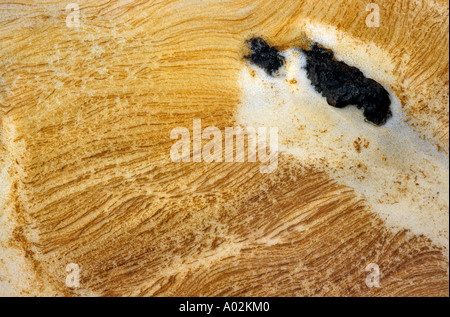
{"x": 344, "y": 85}
{"x": 264, "y": 55}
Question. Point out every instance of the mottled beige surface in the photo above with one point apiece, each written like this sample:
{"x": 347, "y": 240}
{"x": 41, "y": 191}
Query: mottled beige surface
{"x": 86, "y": 177}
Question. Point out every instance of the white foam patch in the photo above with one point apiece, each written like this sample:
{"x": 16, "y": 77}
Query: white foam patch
{"x": 403, "y": 178}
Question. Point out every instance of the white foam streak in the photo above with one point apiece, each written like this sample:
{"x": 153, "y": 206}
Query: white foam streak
{"x": 403, "y": 178}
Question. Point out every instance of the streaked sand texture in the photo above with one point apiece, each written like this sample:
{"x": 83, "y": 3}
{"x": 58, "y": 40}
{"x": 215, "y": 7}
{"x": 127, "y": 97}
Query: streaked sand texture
{"x": 86, "y": 175}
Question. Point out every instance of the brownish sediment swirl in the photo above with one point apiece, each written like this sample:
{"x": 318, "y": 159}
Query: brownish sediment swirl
{"x": 87, "y": 178}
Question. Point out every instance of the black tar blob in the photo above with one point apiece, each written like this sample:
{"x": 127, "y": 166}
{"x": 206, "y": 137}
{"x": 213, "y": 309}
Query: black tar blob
{"x": 265, "y": 56}
{"x": 344, "y": 85}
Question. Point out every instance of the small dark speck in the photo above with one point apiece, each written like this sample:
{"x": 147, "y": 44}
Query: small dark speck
{"x": 264, "y": 55}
